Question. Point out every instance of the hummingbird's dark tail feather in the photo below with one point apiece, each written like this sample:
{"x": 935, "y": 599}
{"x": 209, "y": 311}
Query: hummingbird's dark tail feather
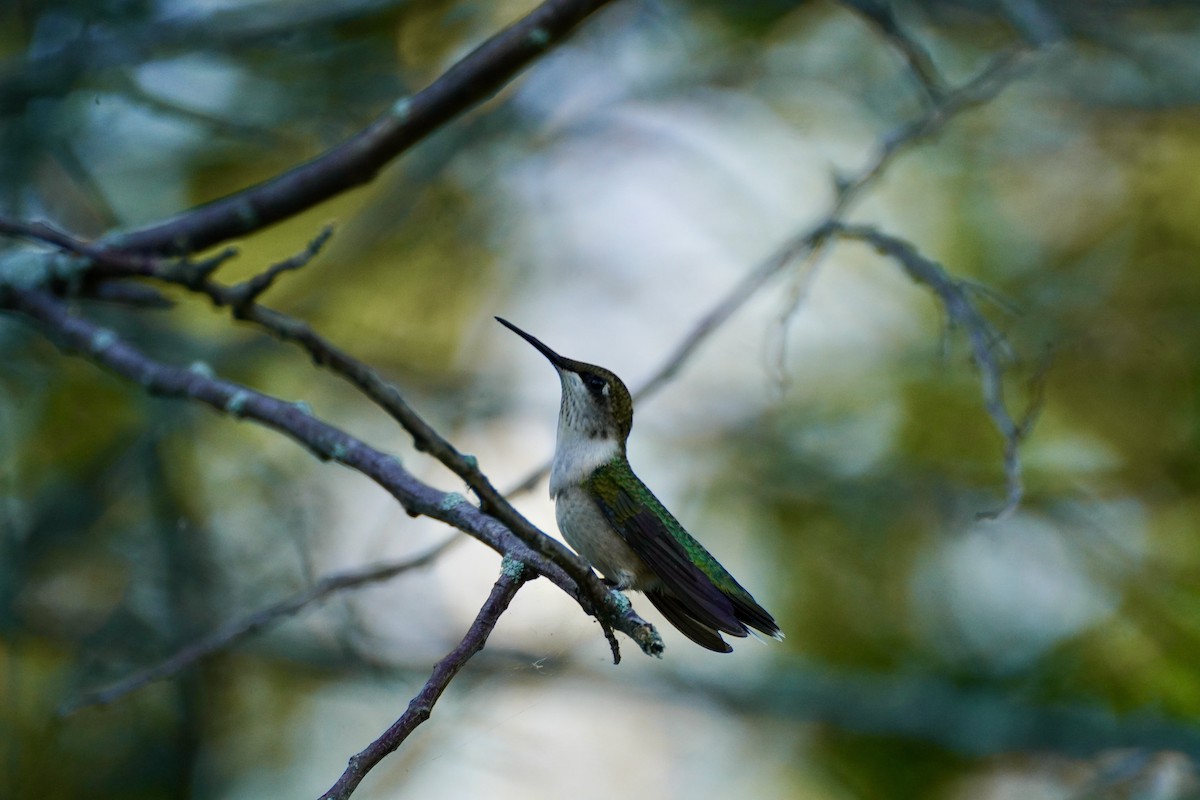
{"x": 678, "y": 615}
{"x": 749, "y": 615}
{"x": 755, "y": 616}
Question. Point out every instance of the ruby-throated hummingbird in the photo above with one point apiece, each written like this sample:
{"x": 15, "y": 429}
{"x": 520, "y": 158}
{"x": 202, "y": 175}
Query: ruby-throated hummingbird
{"x": 611, "y": 519}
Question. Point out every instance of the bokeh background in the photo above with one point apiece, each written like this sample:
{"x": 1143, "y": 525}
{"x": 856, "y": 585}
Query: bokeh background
{"x": 829, "y": 443}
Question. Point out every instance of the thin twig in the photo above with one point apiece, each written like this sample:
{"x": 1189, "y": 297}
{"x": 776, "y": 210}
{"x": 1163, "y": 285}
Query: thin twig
{"x": 512, "y": 578}
{"x": 248, "y": 291}
{"x": 998, "y": 73}
{"x": 237, "y": 629}
{"x": 195, "y": 273}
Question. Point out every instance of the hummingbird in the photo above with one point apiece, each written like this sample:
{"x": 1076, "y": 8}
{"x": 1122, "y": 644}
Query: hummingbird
{"x": 610, "y": 518}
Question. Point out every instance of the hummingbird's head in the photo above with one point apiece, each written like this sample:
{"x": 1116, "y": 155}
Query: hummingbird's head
{"x": 595, "y": 403}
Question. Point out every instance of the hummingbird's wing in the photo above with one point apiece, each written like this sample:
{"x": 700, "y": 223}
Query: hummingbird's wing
{"x": 688, "y": 597}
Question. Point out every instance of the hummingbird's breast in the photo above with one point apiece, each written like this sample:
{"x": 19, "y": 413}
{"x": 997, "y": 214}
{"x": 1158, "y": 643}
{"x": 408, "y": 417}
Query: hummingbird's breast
{"x": 587, "y": 530}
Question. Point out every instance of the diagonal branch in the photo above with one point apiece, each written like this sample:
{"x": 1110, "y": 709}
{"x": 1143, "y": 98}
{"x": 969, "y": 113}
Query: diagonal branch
{"x": 327, "y": 442}
{"x": 238, "y": 629}
{"x": 357, "y": 161}
{"x": 512, "y": 578}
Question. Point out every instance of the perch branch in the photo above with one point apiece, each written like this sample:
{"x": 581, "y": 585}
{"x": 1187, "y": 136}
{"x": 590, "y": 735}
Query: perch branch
{"x": 387, "y": 397}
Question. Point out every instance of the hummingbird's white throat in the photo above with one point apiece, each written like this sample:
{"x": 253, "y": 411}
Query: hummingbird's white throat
{"x": 587, "y": 435}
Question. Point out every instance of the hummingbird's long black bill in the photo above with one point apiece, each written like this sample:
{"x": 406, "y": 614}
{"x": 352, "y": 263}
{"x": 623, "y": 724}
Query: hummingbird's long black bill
{"x": 555, "y": 359}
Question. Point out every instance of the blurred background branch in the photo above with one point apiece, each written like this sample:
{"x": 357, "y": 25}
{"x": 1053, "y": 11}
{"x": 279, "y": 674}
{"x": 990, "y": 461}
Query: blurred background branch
{"x": 988, "y": 349}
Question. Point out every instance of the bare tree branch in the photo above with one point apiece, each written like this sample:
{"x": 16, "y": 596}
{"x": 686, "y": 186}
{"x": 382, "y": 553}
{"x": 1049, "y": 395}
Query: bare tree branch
{"x": 810, "y": 245}
{"x": 512, "y": 578}
{"x": 238, "y": 629}
{"x": 125, "y": 262}
{"x": 105, "y": 348}
{"x": 358, "y": 160}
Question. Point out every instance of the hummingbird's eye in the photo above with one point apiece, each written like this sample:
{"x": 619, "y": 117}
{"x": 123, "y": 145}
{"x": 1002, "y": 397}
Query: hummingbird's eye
{"x": 595, "y": 384}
